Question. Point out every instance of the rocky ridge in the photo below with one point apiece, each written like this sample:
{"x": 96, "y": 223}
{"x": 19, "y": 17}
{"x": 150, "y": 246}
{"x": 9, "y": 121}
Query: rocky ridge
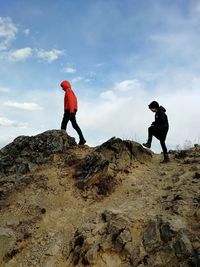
{"x": 111, "y": 205}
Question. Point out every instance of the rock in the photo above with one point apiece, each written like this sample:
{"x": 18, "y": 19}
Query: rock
{"x": 196, "y": 175}
{"x": 23, "y": 169}
{"x": 110, "y": 214}
{"x": 35, "y": 149}
{"x": 196, "y": 243}
{"x": 194, "y": 261}
{"x": 6, "y": 161}
{"x": 151, "y": 239}
{"x": 106, "y": 243}
{"x": 7, "y": 241}
{"x": 91, "y": 255}
{"x": 177, "y": 224}
{"x": 166, "y": 232}
{"x": 52, "y": 250}
{"x": 100, "y": 168}
{"x": 32, "y": 166}
{"x": 183, "y": 247}
{"x": 116, "y": 226}
{"x": 94, "y": 168}
{"x": 164, "y": 257}
{"x": 122, "y": 239}
{"x": 123, "y": 151}
{"x": 181, "y": 154}
{"x": 25, "y": 154}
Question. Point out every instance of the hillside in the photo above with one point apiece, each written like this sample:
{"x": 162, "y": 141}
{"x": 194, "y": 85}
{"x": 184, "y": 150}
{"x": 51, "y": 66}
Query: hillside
{"x": 113, "y": 205}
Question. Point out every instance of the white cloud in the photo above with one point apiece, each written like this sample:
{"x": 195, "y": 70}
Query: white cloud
{"x": 7, "y": 32}
{"x": 4, "y": 89}
{"x": 7, "y": 122}
{"x": 127, "y": 115}
{"x": 69, "y": 70}
{"x": 23, "y": 106}
{"x": 77, "y": 79}
{"x": 20, "y": 54}
{"x": 48, "y": 56}
{"x": 108, "y": 95}
{"x": 128, "y": 85}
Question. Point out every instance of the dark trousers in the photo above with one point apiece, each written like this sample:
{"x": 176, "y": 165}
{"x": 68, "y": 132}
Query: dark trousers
{"x": 71, "y": 117}
{"x": 160, "y": 134}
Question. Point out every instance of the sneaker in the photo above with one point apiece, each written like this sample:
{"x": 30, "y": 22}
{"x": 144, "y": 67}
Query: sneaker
{"x": 147, "y": 145}
{"x": 82, "y": 142}
{"x": 165, "y": 160}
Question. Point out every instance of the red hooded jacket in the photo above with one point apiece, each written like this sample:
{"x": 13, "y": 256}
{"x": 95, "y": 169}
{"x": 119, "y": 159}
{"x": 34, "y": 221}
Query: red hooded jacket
{"x": 70, "y": 100}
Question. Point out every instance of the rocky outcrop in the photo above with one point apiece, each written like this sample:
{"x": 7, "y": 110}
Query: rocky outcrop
{"x": 25, "y": 154}
{"x": 102, "y": 168}
{"x": 160, "y": 244}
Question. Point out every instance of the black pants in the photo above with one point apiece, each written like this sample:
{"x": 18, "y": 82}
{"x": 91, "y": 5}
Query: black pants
{"x": 160, "y": 134}
{"x": 71, "y": 117}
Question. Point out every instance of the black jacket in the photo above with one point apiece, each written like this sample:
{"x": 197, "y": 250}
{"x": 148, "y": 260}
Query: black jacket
{"x": 161, "y": 119}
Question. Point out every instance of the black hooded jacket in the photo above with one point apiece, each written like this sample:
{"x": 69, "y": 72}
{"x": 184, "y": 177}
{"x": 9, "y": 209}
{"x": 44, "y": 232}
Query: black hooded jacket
{"x": 161, "y": 120}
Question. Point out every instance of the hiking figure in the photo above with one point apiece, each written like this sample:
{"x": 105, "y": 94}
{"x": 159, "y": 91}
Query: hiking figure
{"x": 158, "y": 128}
{"x": 70, "y": 109}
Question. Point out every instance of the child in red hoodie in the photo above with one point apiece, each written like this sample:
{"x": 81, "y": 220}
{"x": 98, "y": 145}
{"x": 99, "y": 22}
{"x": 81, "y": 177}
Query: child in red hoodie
{"x": 70, "y": 109}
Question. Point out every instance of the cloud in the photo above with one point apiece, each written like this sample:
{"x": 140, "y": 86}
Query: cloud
{"x": 128, "y": 85}
{"x": 108, "y": 95}
{"x": 77, "y": 79}
{"x": 123, "y": 89}
{"x": 48, "y": 56}
{"x": 20, "y": 54}
{"x": 127, "y": 115}
{"x": 69, "y": 70}
{"x": 7, "y": 122}
{"x": 8, "y": 32}
{"x": 4, "y": 89}
{"x": 23, "y": 106}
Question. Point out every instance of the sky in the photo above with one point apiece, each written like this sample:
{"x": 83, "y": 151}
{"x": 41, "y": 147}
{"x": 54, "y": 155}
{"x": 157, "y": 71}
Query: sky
{"x": 118, "y": 55}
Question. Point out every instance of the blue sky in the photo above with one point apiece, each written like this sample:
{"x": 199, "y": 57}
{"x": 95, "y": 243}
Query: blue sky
{"x": 118, "y": 55}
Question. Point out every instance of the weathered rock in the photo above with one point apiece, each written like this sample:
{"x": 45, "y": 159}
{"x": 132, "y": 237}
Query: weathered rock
{"x": 183, "y": 247}
{"x": 100, "y": 169}
{"x": 114, "y": 235}
{"x": 122, "y": 239}
{"x": 35, "y": 149}
{"x": 151, "y": 238}
{"x": 25, "y": 154}
{"x": 91, "y": 254}
{"x": 166, "y": 233}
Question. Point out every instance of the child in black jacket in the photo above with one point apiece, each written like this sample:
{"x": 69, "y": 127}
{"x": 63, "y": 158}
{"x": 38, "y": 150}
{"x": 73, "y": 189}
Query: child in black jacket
{"x": 158, "y": 128}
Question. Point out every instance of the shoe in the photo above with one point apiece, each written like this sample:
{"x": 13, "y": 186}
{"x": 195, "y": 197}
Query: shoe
{"x": 165, "y": 160}
{"x": 82, "y": 142}
{"x": 147, "y": 145}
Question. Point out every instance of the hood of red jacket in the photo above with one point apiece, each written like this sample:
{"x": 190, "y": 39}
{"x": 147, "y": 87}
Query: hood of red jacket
{"x": 65, "y": 85}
